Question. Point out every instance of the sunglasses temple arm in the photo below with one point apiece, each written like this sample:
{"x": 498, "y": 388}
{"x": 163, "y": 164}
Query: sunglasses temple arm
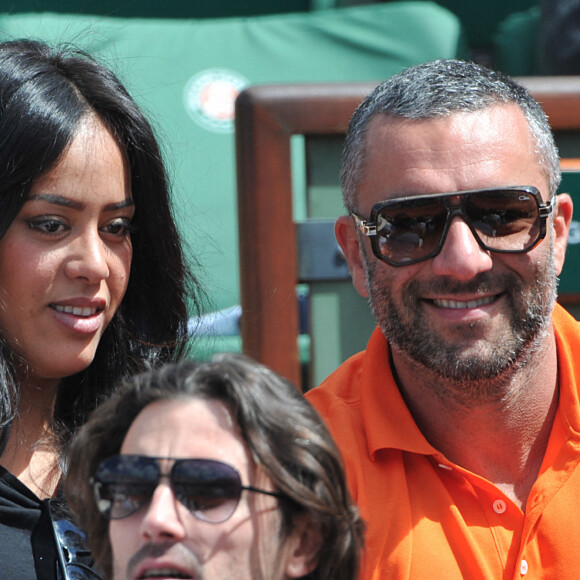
{"x": 262, "y": 491}
{"x": 363, "y": 226}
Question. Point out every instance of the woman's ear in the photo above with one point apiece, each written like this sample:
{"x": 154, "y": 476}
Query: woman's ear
{"x": 561, "y": 219}
{"x": 347, "y": 237}
{"x": 302, "y": 547}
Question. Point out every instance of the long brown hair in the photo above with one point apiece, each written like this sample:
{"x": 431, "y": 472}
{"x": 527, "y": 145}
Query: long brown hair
{"x": 285, "y": 436}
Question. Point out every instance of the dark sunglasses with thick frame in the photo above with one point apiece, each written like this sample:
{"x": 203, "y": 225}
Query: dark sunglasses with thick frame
{"x": 408, "y": 230}
{"x": 209, "y": 489}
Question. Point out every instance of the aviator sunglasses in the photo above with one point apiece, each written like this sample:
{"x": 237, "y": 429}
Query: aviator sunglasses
{"x": 407, "y": 230}
{"x": 209, "y": 489}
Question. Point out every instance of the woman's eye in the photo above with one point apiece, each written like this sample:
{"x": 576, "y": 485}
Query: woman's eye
{"x": 119, "y": 227}
{"x": 47, "y": 225}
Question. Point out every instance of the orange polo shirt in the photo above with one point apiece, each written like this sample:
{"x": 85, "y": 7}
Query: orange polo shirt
{"x": 429, "y": 518}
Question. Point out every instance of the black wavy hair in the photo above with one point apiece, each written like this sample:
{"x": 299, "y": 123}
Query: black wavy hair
{"x": 45, "y": 93}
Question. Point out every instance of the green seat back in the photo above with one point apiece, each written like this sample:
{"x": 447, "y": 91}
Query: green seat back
{"x": 570, "y": 278}
{"x": 516, "y": 43}
{"x": 186, "y": 74}
{"x": 155, "y": 8}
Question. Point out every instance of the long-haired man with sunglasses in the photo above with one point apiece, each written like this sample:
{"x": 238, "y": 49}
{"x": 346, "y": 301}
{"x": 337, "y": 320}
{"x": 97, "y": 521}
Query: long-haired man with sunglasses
{"x": 213, "y": 471}
{"x": 460, "y": 423}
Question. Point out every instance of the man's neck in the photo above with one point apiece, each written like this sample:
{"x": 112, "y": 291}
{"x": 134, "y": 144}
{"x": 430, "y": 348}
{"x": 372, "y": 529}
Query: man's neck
{"x": 502, "y": 440}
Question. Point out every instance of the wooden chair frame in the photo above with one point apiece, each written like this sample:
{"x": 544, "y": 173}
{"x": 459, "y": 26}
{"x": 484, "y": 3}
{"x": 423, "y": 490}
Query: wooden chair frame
{"x": 266, "y": 119}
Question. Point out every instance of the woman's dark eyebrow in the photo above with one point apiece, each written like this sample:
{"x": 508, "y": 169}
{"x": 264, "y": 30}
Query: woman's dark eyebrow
{"x": 66, "y": 202}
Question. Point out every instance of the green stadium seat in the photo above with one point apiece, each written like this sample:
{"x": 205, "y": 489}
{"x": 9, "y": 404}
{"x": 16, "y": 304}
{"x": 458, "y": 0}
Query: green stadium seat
{"x": 516, "y": 43}
{"x": 155, "y": 8}
{"x": 186, "y": 74}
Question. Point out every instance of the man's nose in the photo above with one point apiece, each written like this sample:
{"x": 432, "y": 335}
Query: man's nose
{"x": 461, "y": 256}
{"x": 161, "y": 521}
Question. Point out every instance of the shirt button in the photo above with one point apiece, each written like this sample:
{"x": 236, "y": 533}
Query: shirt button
{"x": 499, "y": 506}
{"x": 523, "y": 568}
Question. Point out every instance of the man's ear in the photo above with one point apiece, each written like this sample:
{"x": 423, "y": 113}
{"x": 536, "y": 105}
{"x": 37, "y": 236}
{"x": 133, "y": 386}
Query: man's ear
{"x": 302, "y": 547}
{"x": 346, "y": 235}
{"x": 562, "y": 219}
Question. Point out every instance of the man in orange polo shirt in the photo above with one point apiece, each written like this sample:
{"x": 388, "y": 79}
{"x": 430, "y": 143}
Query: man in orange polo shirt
{"x": 460, "y": 423}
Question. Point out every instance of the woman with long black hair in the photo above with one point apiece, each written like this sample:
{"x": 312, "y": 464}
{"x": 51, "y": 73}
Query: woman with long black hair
{"x": 93, "y": 282}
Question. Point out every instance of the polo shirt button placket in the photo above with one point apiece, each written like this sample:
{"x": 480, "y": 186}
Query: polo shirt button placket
{"x": 523, "y": 567}
{"x": 499, "y": 506}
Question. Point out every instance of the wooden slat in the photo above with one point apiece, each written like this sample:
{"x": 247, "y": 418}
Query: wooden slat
{"x": 559, "y": 97}
{"x": 571, "y": 164}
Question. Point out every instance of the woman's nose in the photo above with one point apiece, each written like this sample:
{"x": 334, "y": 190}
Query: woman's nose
{"x": 88, "y": 259}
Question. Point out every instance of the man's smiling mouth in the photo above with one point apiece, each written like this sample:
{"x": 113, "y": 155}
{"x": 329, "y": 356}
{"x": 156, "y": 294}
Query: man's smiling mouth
{"x": 457, "y": 304}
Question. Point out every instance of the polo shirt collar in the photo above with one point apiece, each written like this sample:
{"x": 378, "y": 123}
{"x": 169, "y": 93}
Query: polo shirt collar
{"x": 568, "y": 347}
{"x": 388, "y": 424}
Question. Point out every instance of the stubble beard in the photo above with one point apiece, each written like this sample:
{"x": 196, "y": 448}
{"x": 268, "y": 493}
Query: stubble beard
{"x": 479, "y": 373}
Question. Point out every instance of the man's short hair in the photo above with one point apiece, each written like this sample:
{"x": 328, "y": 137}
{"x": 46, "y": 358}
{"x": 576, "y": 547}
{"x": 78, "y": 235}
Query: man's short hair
{"x": 439, "y": 89}
{"x": 285, "y": 436}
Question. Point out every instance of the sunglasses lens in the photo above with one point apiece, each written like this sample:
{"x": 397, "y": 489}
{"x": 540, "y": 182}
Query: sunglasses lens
{"x": 410, "y": 231}
{"x": 505, "y": 220}
{"x": 209, "y": 489}
{"x": 124, "y": 484}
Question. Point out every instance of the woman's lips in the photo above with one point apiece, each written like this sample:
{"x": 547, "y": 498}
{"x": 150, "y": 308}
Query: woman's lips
{"x": 81, "y": 319}
{"x": 76, "y": 310}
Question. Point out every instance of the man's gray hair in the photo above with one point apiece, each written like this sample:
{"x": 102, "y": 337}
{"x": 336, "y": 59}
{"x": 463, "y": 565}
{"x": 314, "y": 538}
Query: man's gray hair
{"x": 438, "y": 89}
